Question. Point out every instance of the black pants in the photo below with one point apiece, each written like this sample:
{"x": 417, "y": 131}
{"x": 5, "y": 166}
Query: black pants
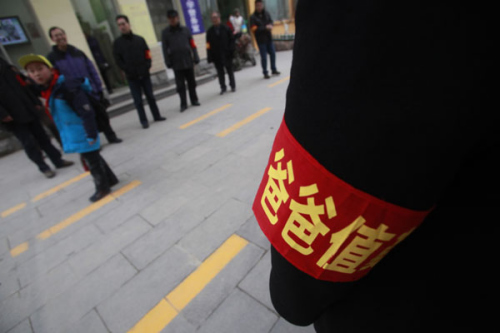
{"x": 228, "y": 65}
{"x": 34, "y": 139}
{"x": 101, "y": 172}
{"x": 182, "y": 75}
{"x": 137, "y": 86}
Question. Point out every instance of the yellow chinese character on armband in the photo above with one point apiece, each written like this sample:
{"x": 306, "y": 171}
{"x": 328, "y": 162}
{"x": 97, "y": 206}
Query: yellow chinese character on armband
{"x": 304, "y": 222}
{"x": 366, "y": 242}
{"x": 382, "y": 254}
{"x": 275, "y": 192}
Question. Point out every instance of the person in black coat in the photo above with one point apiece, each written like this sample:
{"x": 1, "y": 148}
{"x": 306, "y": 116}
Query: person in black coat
{"x": 19, "y": 109}
{"x": 220, "y": 51}
{"x": 261, "y": 24}
{"x": 381, "y": 192}
{"x": 133, "y": 56}
{"x": 180, "y": 54}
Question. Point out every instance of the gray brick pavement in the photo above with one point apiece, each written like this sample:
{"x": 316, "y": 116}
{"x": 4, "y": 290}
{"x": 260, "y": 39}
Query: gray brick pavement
{"x": 106, "y": 271}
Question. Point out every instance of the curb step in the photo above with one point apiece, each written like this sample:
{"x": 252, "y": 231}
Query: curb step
{"x": 122, "y": 102}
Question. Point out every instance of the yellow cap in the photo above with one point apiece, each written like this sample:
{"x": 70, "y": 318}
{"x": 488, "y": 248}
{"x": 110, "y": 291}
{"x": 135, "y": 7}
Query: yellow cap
{"x": 29, "y": 58}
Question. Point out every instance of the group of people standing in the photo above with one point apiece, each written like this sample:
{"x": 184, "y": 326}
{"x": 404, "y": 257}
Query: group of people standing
{"x": 64, "y": 91}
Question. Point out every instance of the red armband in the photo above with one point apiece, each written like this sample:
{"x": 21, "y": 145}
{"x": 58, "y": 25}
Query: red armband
{"x": 147, "y": 54}
{"x": 322, "y": 225}
{"x": 191, "y": 42}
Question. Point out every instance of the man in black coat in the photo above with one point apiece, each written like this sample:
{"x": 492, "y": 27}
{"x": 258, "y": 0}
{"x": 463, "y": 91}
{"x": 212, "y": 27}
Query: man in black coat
{"x": 261, "y": 25}
{"x": 220, "y": 51}
{"x": 133, "y": 56}
{"x": 19, "y": 110}
{"x": 180, "y": 54}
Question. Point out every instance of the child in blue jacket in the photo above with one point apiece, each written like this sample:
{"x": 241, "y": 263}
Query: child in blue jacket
{"x": 74, "y": 118}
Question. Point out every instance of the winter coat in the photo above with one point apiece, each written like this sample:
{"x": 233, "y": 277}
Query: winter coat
{"x": 179, "y": 49}
{"x": 220, "y": 47}
{"x": 258, "y": 22}
{"x": 16, "y": 100}
{"x": 74, "y": 63}
{"x": 73, "y": 115}
{"x": 132, "y": 55}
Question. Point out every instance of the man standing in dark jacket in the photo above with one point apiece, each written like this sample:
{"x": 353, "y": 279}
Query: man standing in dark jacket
{"x": 180, "y": 54}
{"x": 261, "y": 25}
{"x": 220, "y": 50}
{"x": 73, "y": 63}
{"x": 133, "y": 56}
{"x": 18, "y": 114}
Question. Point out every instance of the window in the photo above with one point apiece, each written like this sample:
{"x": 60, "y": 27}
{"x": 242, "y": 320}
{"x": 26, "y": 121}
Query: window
{"x": 279, "y": 9}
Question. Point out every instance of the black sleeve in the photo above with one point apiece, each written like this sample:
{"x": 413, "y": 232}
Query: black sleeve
{"x": 79, "y": 102}
{"x": 117, "y": 54}
{"x": 165, "y": 47}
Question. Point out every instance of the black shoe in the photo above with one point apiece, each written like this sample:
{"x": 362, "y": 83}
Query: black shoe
{"x": 99, "y": 195}
{"x": 195, "y": 103}
{"x": 266, "y": 76}
{"x": 65, "y": 164}
{"x": 145, "y": 125}
{"x": 49, "y": 173}
{"x": 276, "y": 73}
{"x": 183, "y": 108}
{"x": 114, "y": 182}
{"x": 223, "y": 90}
{"x": 116, "y": 140}
{"x": 161, "y": 119}
{"x": 233, "y": 89}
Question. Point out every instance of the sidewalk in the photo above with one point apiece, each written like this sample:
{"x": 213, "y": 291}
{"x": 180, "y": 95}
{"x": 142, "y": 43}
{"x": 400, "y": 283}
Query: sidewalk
{"x": 174, "y": 249}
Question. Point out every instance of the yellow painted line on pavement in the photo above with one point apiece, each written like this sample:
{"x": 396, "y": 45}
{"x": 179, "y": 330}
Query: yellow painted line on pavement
{"x": 86, "y": 211}
{"x": 211, "y": 113}
{"x": 19, "y": 249}
{"x": 243, "y": 122}
{"x": 13, "y": 209}
{"x": 44, "y": 194}
{"x": 279, "y": 82}
{"x": 60, "y": 187}
{"x": 76, "y": 217}
{"x": 168, "y": 308}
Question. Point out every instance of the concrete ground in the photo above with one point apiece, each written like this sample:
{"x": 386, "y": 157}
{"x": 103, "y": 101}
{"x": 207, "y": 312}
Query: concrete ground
{"x": 175, "y": 248}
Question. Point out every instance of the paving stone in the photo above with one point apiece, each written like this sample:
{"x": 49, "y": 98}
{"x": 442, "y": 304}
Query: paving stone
{"x": 21, "y": 305}
{"x": 282, "y": 326}
{"x": 9, "y": 284}
{"x": 106, "y": 247}
{"x": 256, "y": 283}
{"x": 59, "y": 314}
{"x": 168, "y": 204}
{"x": 13, "y": 223}
{"x": 241, "y": 313}
{"x": 125, "y": 308}
{"x": 90, "y": 323}
{"x": 205, "y": 303}
{"x": 251, "y": 231}
{"x": 179, "y": 325}
{"x": 24, "y": 327}
{"x": 212, "y": 232}
{"x": 162, "y": 237}
{"x": 56, "y": 254}
{"x": 4, "y": 246}
{"x": 126, "y": 210}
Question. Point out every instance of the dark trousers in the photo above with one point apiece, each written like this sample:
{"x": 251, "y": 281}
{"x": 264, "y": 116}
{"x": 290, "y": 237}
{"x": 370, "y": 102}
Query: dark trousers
{"x": 182, "y": 75}
{"x": 102, "y": 174}
{"x": 34, "y": 139}
{"x": 264, "y": 49}
{"x": 228, "y": 65}
{"x": 137, "y": 86}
